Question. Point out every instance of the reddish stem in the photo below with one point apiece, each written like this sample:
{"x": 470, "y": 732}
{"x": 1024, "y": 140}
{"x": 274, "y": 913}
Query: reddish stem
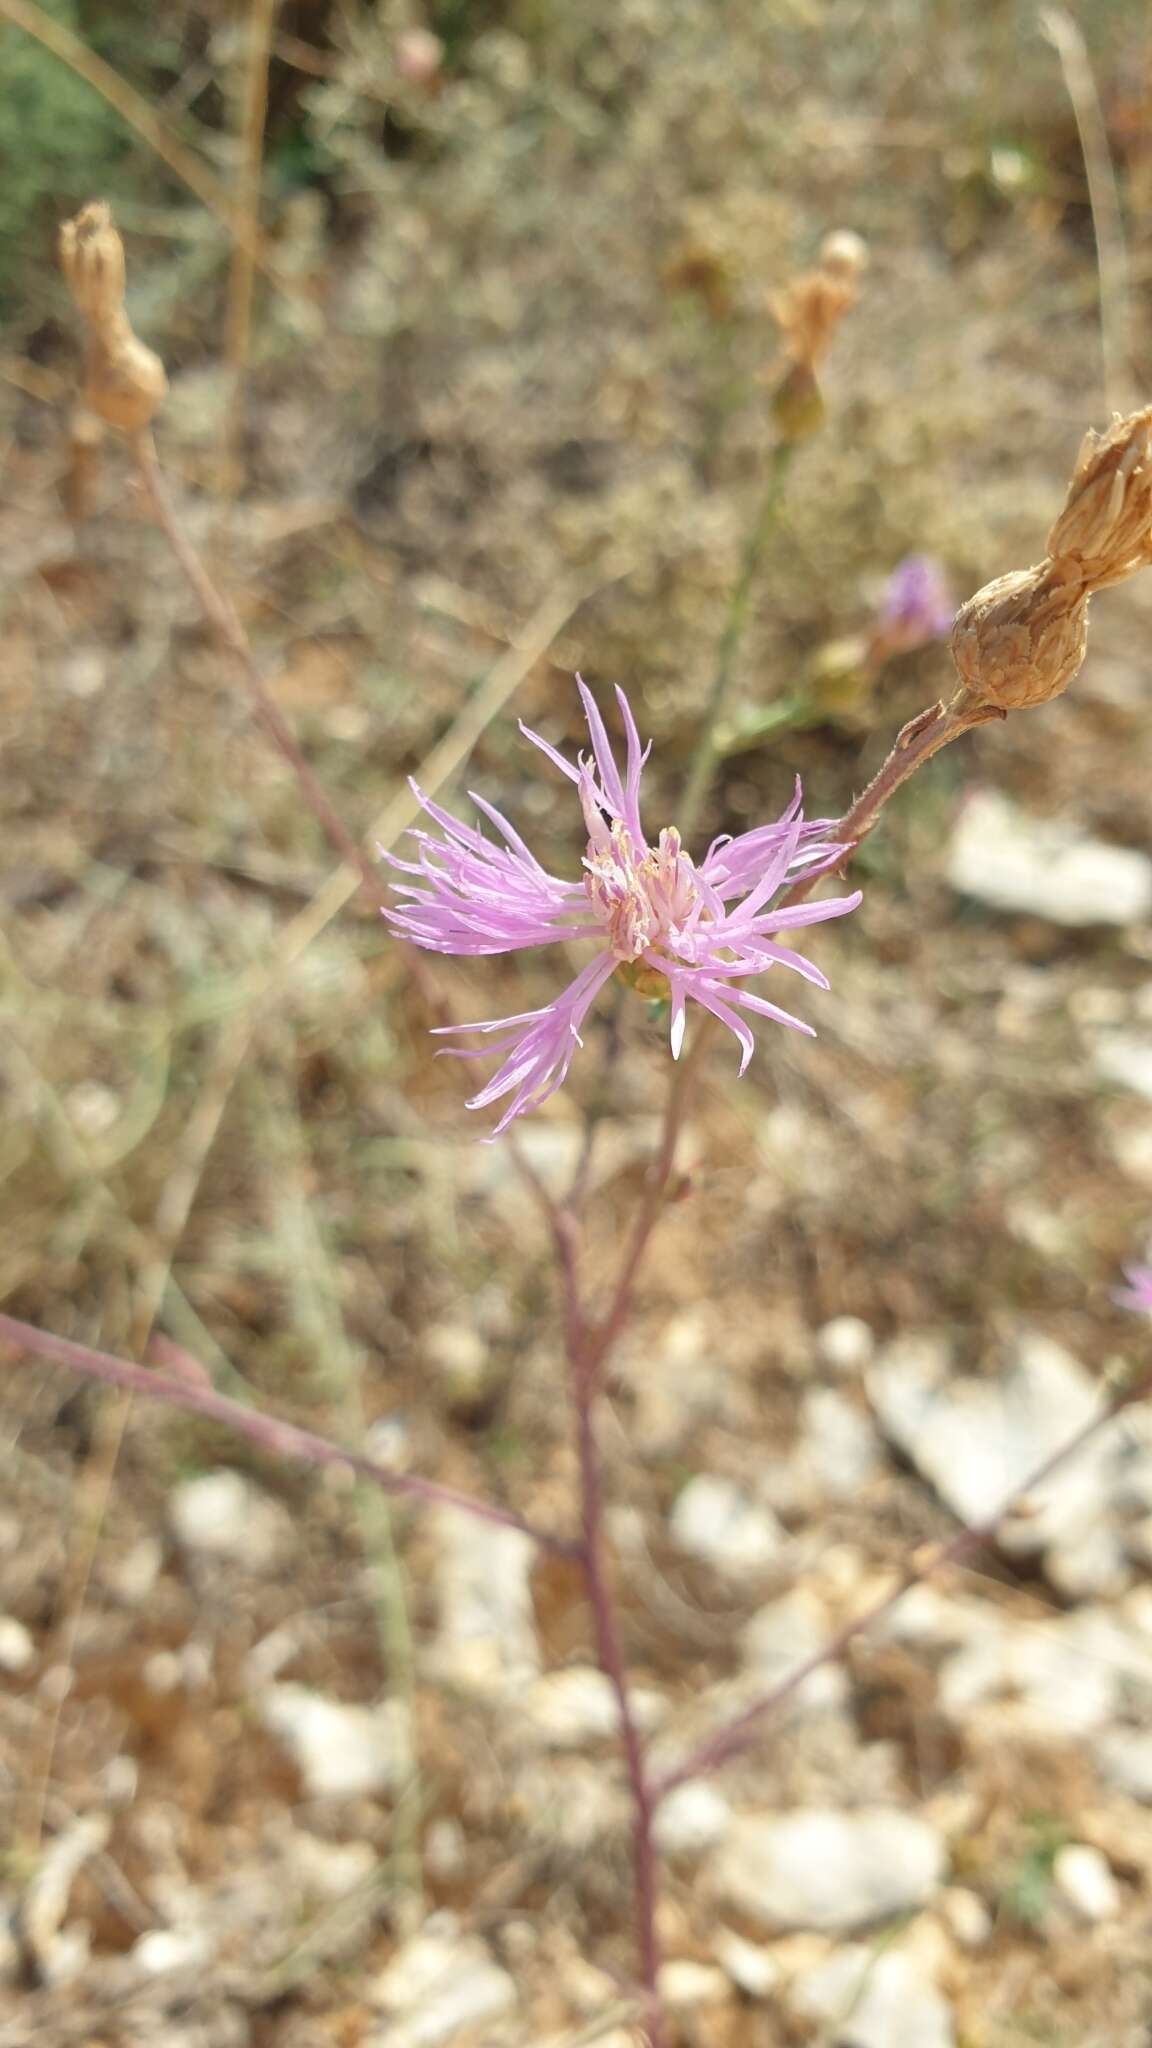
{"x": 281, "y": 1439}
{"x": 610, "y": 1655}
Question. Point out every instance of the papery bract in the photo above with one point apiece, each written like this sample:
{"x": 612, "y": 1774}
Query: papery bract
{"x": 687, "y": 932}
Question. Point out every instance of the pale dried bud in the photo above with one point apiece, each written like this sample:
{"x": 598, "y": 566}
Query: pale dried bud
{"x": 844, "y": 254}
{"x": 809, "y": 310}
{"x": 124, "y": 382}
{"x": 1021, "y": 639}
{"x": 1105, "y": 529}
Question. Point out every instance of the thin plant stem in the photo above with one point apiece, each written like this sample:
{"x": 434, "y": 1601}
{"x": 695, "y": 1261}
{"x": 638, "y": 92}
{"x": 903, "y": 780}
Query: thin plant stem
{"x": 735, "y": 623}
{"x": 735, "y": 1735}
{"x": 610, "y": 1656}
{"x": 279, "y": 1439}
{"x": 241, "y": 274}
{"x": 222, "y": 617}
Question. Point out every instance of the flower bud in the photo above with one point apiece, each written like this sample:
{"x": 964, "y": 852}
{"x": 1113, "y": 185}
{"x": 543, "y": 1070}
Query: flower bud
{"x": 124, "y": 382}
{"x": 1021, "y": 639}
{"x": 796, "y": 404}
{"x": 1105, "y": 529}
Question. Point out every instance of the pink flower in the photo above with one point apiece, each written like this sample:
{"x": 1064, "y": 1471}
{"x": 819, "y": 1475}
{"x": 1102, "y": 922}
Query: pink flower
{"x": 917, "y": 606}
{"x": 1138, "y": 1293}
{"x": 669, "y": 928}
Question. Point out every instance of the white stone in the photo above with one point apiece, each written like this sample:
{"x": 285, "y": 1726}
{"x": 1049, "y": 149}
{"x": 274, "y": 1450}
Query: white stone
{"x": 487, "y": 1637}
{"x": 223, "y": 1515}
{"x": 171, "y": 1948}
{"x": 692, "y": 1818}
{"x": 459, "y": 1354}
{"x": 874, "y": 2000}
{"x": 1084, "y": 1880}
{"x": 754, "y": 1970}
{"x": 965, "y": 1915}
{"x": 1125, "y": 1757}
{"x": 839, "y": 1448}
{"x": 1125, "y": 1059}
{"x": 577, "y": 1705}
{"x": 1067, "y": 1678}
{"x": 1044, "y": 867}
{"x": 439, "y": 1984}
{"x": 978, "y": 1440}
{"x": 846, "y": 1344}
{"x": 17, "y": 1649}
{"x": 329, "y": 1870}
{"x": 340, "y": 1751}
{"x": 684, "y": 1983}
{"x": 784, "y": 1635}
{"x": 715, "y": 1521}
{"x": 825, "y": 1870}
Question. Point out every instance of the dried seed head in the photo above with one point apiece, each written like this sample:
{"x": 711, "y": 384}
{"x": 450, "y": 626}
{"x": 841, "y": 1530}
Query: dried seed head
{"x": 1021, "y": 639}
{"x": 1105, "y": 529}
{"x": 124, "y": 382}
{"x": 808, "y": 311}
{"x": 92, "y": 259}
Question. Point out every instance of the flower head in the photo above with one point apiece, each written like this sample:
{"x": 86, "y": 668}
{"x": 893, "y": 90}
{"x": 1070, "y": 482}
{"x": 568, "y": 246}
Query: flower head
{"x": 669, "y": 927}
{"x": 917, "y": 605}
{"x": 1138, "y": 1293}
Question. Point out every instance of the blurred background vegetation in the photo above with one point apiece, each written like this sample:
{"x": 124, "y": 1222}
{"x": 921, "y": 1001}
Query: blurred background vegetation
{"x": 500, "y": 413}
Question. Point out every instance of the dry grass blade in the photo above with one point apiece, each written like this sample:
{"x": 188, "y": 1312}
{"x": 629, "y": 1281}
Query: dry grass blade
{"x": 241, "y": 276}
{"x": 1066, "y": 38}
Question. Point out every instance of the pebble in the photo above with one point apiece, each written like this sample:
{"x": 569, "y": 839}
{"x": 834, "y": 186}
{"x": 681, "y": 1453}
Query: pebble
{"x": 1044, "y": 867}
{"x": 341, "y": 1752}
{"x": 965, "y": 1916}
{"x": 975, "y": 1440}
{"x": 171, "y": 1948}
{"x": 874, "y": 2000}
{"x": 693, "y": 1818}
{"x": 715, "y": 1521}
{"x": 839, "y": 1447}
{"x": 577, "y": 1705}
{"x": 846, "y": 1344}
{"x": 785, "y": 1634}
{"x": 1084, "y": 1880}
{"x": 17, "y": 1649}
{"x": 487, "y": 1640}
{"x": 223, "y": 1515}
{"x": 829, "y": 1871}
{"x": 684, "y": 1984}
{"x": 440, "y": 1983}
{"x": 1124, "y": 1059}
{"x": 754, "y": 1970}
{"x": 1067, "y": 1678}
{"x": 1125, "y": 1758}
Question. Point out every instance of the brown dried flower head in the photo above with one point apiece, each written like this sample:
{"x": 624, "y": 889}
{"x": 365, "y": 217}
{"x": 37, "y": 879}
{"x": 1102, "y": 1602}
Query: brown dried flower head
{"x": 808, "y": 311}
{"x": 124, "y": 382}
{"x": 1021, "y": 639}
{"x": 1105, "y": 530}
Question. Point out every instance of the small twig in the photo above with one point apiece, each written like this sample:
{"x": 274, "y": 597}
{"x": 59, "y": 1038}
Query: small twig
{"x": 735, "y": 1735}
{"x": 225, "y": 623}
{"x": 735, "y": 623}
{"x": 267, "y": 1432}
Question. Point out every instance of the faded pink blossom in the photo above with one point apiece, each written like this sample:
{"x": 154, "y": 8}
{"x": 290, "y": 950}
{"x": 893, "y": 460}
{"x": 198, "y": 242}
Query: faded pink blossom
{"x": 669, "y": 928}
{"x": 917, "y": 605}
{"x": 1138, "y": 1293}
